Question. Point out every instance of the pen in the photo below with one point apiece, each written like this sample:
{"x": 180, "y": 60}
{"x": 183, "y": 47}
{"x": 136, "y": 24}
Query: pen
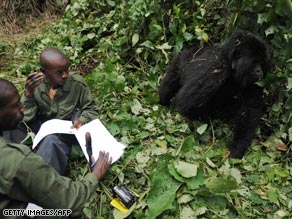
{"x": 92, "y": 165}
{"x": 88, "y": 146}
{"x": 76, "y": 115}
{"x": 33, "y": 77}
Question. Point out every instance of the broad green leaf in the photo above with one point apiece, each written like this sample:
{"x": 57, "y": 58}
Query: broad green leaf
{"x": 273, "y": 195}
{"x": 281, "y": 172}
{"x": 217, "y": 202}
{"x": 236, "y": 174}
{"x": 188, "y": 36}
{"x": 174, "y": 173}
{"x": 46, "y": 40}
{"x": 172, "y": 27}
{"x": 271, "y": 30}
{"x": 272, "y": 142}
{"x": 187, "y": 213}
{"x": 76, "y": 5}
{"x": 289, "y": 86}
{"x": 188, "y": 144}
{"x": 136, "y": 108}
{"x": 169, "y": 138}
{"x": 253, "y": 178}
{"x": 225, "y": 169}
{"x": 135, "y": 39}
{"x": 262, "y": 18}
{"x": 163, "y": 188}
{"x": 114, "y": 129}
{"x": 195, "y": 182}
{"x": 158, "y": 150}
{"x": 185, "y": 198}
{"x": 120, "y": 83}
{"x": 205, "y": 37}
{"x": 290, "y": 204}
{"x": 201, "y": 129}
{"x": 221, "y": 184}
{"x": 143, "y": 135}
{"x": 210, "y": 163}
{"x": 282, "y": 213}
{"x": 111, "y": 3}
{"x": 88, "y": 212}
{"x": 260, "y": 83}
{"x": 203, "y": 11}
{"x": 90, "y": 35}
{"x": 185, "y": 169}
{"x": 142, "y": 157}
{"x": 201, "y": 211}
{"x": 148, "y": 44}
{"x": 161, "y": 143}
{"x": 164, "y": 46}
{"x": 290, "y": 134}
{"x": 243, "y": 191}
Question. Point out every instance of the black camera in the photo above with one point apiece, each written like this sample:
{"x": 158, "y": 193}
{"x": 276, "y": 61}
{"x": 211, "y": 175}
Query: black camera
{"x": 126, "y": 196}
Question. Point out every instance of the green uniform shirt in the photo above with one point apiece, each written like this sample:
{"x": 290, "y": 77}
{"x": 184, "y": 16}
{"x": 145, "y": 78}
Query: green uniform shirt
{"x": 74, "y": 94}
{"x": 24, "y": 177}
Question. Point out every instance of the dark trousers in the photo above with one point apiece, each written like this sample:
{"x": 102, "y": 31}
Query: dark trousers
{"x": 55, "y": 150}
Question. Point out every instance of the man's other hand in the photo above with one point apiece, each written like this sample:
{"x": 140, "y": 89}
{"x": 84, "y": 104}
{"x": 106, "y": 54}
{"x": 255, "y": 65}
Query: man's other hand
{"x": 102, "y": 165}
{"x": 32, "y": 81}
{"x": 76, "y": 124}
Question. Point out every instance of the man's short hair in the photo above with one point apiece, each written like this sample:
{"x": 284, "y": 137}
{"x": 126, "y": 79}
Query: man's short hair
{"x": 51, "y": 55}
{"x": 7, "y": 89}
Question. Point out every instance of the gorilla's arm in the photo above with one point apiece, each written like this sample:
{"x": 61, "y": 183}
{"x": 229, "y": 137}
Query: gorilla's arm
{"x": 170, "y": 84}
{"x": 247, "y": 122}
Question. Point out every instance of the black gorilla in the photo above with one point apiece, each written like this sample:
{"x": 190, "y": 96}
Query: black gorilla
{"x": 219, "y": 82}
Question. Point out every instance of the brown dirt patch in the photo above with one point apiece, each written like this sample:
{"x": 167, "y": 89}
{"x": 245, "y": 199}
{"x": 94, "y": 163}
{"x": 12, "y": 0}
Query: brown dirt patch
{"x": 15, "y": 33}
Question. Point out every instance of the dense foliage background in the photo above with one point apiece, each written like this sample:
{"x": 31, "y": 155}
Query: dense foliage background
{"x": 179, "y": 168}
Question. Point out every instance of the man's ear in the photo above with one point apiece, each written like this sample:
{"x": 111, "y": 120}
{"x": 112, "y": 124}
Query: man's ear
{"x": 42, "y": 70}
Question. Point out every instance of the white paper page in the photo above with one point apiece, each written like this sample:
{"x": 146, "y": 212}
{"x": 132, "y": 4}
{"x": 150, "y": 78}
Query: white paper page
{"x": 51, "y": 127}
{"x": 32, "y": 206}
{"x": 102, "y": 140}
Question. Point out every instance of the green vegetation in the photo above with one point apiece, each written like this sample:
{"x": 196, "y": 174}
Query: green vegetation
{"x": 178, "y": 168}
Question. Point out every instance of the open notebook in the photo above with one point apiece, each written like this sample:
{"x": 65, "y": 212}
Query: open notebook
{"x": 102, "y": 140}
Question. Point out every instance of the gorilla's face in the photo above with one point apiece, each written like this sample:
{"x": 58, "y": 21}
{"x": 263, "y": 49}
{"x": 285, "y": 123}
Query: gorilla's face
{"x": 247, "y": 66}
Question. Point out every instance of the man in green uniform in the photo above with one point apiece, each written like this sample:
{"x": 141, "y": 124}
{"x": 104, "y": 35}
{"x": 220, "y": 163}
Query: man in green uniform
{"x": 53, "y": 93}
{"x": 24, "y": 177}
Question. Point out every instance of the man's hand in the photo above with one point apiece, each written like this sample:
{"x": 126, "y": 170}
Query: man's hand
{"x": 76, "y": 124}
{"x": 32, "y": 81}
{"x": 102, "y": 165}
